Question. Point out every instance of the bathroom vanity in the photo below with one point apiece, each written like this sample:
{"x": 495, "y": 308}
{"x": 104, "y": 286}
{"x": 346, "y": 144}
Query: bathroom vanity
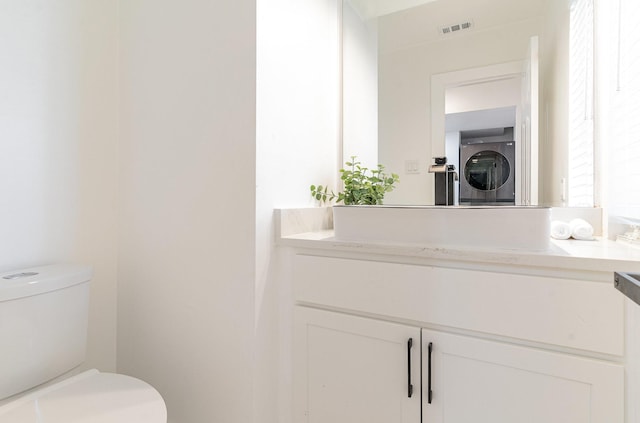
{"x": 392, "y": 332}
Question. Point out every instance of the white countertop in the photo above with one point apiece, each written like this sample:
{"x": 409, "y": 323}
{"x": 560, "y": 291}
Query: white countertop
{"x": 600, "y": 255}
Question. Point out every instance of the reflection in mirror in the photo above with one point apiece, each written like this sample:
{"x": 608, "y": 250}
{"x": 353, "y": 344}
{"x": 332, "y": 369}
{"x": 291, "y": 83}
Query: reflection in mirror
{"x": 395, "y": 53}
{"x": 482, "y": 145}
{"x": 465, "y": 129}
{"x": 485, "y": 107}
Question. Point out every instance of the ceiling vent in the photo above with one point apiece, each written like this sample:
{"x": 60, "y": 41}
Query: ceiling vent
{"x": 456, "y": 28}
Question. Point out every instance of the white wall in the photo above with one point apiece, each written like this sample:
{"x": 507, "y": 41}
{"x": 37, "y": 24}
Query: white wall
{"x": 58, "y": 157}
{"x": 405, "y": 78}
{"x": 483, "y": 96}
{"x": 180, "y": 203}
{"x": 359, "y": 88}
{"x": 297, "y": 145}
{"x": 187, "y": 204}
{"x": 554, "y": 117}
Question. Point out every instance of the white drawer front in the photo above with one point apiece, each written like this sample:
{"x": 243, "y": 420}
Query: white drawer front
{"x": 565, "y": 312}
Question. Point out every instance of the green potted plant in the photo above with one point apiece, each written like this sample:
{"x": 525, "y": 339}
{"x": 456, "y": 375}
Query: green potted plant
{"x": 362, "y": 186}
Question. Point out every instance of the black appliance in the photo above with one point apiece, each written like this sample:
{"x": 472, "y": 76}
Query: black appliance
{"x": 487, "y": 173}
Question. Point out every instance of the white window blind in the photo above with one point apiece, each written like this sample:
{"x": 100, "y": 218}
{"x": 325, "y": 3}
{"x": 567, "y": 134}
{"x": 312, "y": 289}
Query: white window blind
{"x": 624, "y": 116}
{"x": 581, "y": 129}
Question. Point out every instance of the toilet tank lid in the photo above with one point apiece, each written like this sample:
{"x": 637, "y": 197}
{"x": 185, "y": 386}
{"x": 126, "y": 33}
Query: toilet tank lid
{"x": 38, "y": 280}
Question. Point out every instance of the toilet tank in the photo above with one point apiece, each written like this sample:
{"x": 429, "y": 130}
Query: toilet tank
{"x": 43, "y": 324}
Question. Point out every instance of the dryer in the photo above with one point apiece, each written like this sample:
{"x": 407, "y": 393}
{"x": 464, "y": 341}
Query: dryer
{"x": 487, "y": 173}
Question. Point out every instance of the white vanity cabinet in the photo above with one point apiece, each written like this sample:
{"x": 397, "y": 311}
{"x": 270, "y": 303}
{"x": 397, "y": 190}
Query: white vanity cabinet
{"x": 505, "y": 347}
{"x": 475, "y": 380}
{"x": 350, "y": 369}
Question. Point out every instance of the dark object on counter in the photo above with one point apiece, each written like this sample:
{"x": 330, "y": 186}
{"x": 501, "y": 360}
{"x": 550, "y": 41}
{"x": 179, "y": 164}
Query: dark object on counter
{"x": 440, "y": 160}
{"x": 628, "y": 284}
{"x": 445, "y": 178}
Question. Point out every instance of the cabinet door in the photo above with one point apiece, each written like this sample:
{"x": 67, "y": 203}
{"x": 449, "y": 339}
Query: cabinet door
{"x": 475, "y": 380}
{"x": 349, "y": 369}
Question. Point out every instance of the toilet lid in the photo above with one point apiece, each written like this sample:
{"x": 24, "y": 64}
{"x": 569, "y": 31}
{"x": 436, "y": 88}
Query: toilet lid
{"x": 90, "y": 397}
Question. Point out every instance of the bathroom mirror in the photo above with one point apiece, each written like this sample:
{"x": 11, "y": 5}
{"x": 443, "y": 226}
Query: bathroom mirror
{"x": 402, "y": 59}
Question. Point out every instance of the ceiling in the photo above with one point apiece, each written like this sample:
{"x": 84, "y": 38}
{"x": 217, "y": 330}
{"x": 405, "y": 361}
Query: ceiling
{"x": 368, "y": 9}
{"x": 407, "y": 22}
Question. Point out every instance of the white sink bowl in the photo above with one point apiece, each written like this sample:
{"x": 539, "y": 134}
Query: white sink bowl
{"x": 505, "y": 227}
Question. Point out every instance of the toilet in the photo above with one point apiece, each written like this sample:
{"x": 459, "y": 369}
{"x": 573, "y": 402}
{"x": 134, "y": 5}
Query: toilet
{"x": 43, "y": 331}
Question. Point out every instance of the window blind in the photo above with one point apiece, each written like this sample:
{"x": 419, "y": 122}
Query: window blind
{"x": 581, "y": 94}
{"x": 624, "y": 116}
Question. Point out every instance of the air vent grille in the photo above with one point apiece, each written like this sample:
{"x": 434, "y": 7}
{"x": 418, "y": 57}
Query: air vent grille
{"x": 456, "y": 27}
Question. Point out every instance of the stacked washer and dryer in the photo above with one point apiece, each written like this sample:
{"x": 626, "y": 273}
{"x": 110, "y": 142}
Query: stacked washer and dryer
{"x": 487, "y": 167}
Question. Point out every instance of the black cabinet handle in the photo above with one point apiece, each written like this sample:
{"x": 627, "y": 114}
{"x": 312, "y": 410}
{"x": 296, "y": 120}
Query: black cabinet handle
{"x": 409, "y": 385}
{"x": 429, "y": 391}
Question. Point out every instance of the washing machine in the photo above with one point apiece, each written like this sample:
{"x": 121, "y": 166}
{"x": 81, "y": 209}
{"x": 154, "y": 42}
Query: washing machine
{"x": 487, "y": 173}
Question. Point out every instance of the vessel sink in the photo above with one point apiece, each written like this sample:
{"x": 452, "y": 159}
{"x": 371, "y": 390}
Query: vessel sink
{"x": 503, "y": 227}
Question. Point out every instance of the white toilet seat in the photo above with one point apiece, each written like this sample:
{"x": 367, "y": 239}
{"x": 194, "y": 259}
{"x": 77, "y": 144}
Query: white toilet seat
{"x": 90, "y": 397}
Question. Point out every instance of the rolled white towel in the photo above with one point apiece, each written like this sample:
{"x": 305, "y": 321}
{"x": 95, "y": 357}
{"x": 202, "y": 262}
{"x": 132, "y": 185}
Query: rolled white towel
{"x": 560, "y": 230}
{"x": 581, "y": 229}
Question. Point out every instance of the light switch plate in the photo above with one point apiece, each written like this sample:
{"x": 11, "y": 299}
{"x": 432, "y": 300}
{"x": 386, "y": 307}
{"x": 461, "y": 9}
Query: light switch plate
{"x": 412, "y": 167}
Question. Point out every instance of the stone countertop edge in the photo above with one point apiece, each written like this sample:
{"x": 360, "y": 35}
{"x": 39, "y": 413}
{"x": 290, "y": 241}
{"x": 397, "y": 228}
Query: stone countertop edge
{"x": 601, "y": 255}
